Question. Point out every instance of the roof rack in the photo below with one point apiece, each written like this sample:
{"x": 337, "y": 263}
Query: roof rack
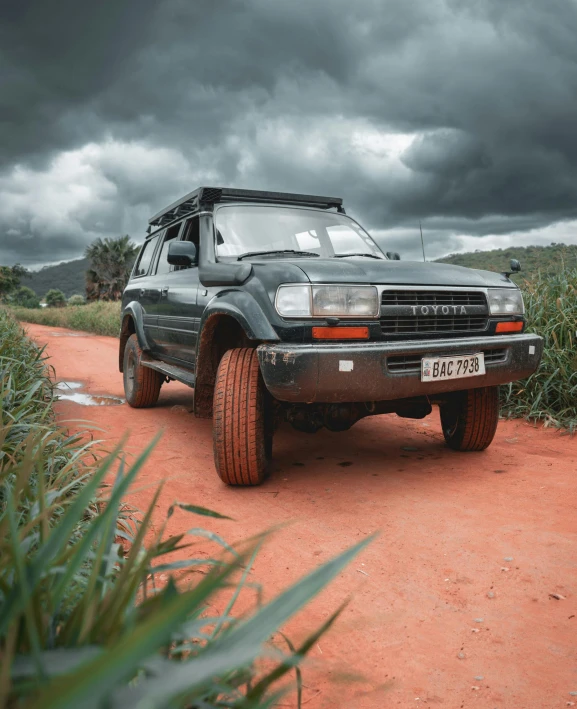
{"x": 206, "y": 197}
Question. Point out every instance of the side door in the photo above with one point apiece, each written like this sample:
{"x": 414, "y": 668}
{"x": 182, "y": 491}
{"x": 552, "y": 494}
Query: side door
{"x": 177, "y": 317}
{"x": 143, "y": 288}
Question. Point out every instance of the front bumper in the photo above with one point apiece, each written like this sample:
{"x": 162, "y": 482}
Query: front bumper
{"x": 384, "y": 371}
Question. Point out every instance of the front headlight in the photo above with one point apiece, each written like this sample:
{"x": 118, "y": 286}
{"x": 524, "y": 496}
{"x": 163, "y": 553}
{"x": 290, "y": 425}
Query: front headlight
{"x": 294, "y": 301}
{"x": 345, "y": 301}
{"x": 327, "y": 301}
{"x": 505, "y": 301}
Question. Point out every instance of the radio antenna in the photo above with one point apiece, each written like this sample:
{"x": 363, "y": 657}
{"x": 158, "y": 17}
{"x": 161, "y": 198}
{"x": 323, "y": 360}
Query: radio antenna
{"x": 422, "y": 242}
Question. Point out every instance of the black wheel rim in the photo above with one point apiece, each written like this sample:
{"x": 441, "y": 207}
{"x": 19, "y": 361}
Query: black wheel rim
{"x": 450, "y": 419}
{"x": 130, "y": 373}
{"x": 451, "y": 429}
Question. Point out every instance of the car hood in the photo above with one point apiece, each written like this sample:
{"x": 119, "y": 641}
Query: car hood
{"x": 364, "y": 270}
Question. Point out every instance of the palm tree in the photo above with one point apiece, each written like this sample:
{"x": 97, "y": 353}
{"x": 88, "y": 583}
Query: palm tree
{"x": 111, "y": 261}
{"x": 10, "y": 278}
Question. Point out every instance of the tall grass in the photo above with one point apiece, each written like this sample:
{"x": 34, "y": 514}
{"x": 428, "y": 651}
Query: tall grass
{"x": 101, "y": 318}
{"x": 549, "y": 395}
{"x": 86, "y": 619}
{"x": 26, "y": 413}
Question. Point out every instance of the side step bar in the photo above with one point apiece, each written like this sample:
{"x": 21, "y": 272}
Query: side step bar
{"x": 170, "y": 370}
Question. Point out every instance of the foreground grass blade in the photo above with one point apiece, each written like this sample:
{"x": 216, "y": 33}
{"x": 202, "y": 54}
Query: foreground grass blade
{"x": 92, "y": 684}
{"x": 243, "y": 644}
{"x": 259, "y": 689}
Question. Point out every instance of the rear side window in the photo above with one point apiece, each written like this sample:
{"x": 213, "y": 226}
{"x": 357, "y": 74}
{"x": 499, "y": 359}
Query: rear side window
{"x": 145, "y": 257}
{"x": 192, "y": 232}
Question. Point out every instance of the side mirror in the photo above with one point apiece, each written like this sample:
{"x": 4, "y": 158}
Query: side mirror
{"x": 393, "y": 256}
{"x": 514, "y": 267}
{"x": 181, "y": 253}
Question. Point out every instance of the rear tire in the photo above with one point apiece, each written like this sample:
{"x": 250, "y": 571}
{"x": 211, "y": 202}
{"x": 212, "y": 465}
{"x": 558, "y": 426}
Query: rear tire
{"x": 242, "y": 420}
{"x": 141, "y": 384}
{"x": 470, "y": 420}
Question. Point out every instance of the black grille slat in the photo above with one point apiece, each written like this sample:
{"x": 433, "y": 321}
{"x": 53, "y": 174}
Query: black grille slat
{"x": 397, "y": 318}
{"x": 404, "y": 363}
{"x": 407, "y": 364}
{"x": 494, "y": 356}
{"x": 456, "y": 323}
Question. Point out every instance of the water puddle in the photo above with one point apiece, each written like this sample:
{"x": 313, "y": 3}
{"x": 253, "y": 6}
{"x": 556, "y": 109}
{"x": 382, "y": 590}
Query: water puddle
{"x": 92, "y": 399}
{"x": 78, "y": 397}
{"x": 67, "y": 334}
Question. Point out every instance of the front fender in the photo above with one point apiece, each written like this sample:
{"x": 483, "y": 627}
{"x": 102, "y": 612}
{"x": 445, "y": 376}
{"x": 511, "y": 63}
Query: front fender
{"x": 245, "y": 310}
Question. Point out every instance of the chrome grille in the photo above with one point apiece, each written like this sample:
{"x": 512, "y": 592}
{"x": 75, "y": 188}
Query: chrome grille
{"x": 433, "y": 297}
{"x": 433, "y": 312}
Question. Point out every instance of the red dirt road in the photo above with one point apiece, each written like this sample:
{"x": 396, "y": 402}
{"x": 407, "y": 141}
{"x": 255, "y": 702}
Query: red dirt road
{"x": 451, "y": 604}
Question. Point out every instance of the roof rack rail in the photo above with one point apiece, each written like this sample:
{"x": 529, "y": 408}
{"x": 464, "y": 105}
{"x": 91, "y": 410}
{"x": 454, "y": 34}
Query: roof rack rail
{"x": 206, "y": 197}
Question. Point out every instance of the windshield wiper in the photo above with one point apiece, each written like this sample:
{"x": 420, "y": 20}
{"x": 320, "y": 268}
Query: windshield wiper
{"x": 276, "y": 251}
{"x": 367, "y": 255}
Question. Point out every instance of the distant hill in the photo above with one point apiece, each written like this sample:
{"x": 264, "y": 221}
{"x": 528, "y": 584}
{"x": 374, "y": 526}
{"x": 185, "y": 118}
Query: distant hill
{"x": 68, "y": 276}
{"x": 547, "y": 259}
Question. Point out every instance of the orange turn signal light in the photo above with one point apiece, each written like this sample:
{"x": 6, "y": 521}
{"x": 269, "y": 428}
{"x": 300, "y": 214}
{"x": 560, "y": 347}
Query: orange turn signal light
{"x": 509, "y": 327}
{"x": 341, "y": 333}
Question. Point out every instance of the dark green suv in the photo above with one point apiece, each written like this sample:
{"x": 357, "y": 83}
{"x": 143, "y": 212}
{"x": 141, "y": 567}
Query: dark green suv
{"x": 277, "y": 306}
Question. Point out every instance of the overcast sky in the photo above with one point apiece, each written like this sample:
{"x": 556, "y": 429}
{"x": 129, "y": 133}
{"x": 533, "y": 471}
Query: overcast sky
{"x": 458, "y": 113}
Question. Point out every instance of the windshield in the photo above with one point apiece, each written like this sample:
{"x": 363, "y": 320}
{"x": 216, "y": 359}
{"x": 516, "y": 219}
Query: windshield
{"x": 244, "y": 229}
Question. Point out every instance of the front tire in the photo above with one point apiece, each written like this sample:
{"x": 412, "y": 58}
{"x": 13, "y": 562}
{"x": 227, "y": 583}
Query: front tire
{"x": 141, "y": 384}
{"x": 470, "y": 419}
{"x": 242, "y": 421}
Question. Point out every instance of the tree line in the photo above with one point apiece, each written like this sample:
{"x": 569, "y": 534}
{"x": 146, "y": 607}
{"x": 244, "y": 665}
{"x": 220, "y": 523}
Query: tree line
{"x": 111, "y": 261}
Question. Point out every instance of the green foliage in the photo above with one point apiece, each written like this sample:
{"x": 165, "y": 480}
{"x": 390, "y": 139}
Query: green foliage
{"x": 55, "y": 298}
{"x": 10, "y": 278}
{"x": 111, "y": 263}
{"x": 26, "y": 416}
{"x": 534, "y": 260}
{"x": 76, "y": 300}
{"x": 24, "y": 297}
{"x": 550, "y": 395}
{"x": 68, "y": 276}
{"x": 86, "y": 619}
{"x": 100, "y": 318}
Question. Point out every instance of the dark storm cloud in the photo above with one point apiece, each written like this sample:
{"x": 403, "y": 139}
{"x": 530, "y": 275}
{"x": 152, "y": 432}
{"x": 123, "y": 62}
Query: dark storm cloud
{"x": 298, "y": 96}
{"x": 56, "y": 58}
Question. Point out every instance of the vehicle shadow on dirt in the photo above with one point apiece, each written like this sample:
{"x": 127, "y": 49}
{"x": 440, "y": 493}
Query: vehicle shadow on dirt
{"x": 381, "y": 449}
{"x": 369, "y": 450}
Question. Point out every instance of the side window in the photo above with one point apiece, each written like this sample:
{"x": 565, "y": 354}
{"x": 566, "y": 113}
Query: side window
{"x": 145, "y": 257}
{"x": 192, "y": 231}
{"x": 163, "y": 265}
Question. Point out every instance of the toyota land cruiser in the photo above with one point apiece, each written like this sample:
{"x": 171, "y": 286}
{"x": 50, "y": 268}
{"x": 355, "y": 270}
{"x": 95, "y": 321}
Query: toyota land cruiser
{"x": 277, "y": 306}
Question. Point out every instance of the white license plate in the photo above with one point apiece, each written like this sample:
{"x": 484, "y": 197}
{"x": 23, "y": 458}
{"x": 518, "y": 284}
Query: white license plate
{"x": 437, "y": 369}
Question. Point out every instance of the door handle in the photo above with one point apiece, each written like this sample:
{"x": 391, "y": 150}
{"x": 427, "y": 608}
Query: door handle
{"x": 164, "y": 291}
